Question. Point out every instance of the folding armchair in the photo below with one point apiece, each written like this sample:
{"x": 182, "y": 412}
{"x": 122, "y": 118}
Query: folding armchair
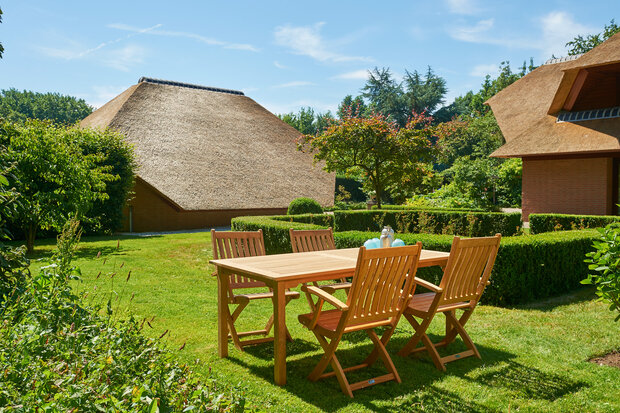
{"x": 317, "y": 240}
{"x": 232, "y": 244}
{"x": 381, "y": 288}
{"x": 465, "y": 277}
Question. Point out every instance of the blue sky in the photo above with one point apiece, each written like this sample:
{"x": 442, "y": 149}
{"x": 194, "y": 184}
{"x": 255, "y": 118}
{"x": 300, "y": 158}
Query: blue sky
{"x": 282, "y": 54}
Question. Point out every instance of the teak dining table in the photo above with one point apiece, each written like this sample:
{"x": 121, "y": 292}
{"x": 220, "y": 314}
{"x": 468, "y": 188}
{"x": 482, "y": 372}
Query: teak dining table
{"x": 282, "y": 271}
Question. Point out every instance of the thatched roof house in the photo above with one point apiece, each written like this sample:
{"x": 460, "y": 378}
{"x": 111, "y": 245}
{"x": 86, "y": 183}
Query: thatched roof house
{"x": 206, "y": 155}
{"x": 563, "y": 120}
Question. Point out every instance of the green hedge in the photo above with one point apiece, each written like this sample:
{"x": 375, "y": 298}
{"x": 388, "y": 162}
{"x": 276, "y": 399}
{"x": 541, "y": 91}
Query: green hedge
{"x": 473, "y": 224}
{"x": 540, "y": 223}
{"x": 324, "y": 220}
{"x": 275, "y": 228}
{"x": 527, "y": 268}
{"x": 417, "y": 208}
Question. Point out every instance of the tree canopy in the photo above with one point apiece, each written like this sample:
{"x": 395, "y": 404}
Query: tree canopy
{"x": 582, "y": 44}
{"x": 1, "y": 47}
{"x": 16, "y": 106}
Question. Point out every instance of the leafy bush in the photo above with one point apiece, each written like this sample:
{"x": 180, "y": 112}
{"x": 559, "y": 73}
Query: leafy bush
{"x": 304, "y": 206}
{"x": 352, "y": 186}
{"x": 324, "y": 220}
{"x": 472, "y": 224}
{"x": 60, "y": 355}
{"x": 605, "y": 261}
{"x": 275, "y": 229}
{"x": 426, "y": 208}
{"x": 527, "y": 267}
{"x": 540, "y": 223}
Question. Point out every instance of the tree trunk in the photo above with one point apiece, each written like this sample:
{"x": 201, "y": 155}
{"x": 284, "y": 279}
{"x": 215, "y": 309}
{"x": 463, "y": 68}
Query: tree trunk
{"x": 30, "y": 235}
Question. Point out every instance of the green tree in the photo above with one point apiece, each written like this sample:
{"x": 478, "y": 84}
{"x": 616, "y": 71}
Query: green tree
{"x": 52, "y": 176}
{"x": 352, "y": 107}
{"x": 387, "y": 156}
{"x": 385, "y": 96}
{"x": 16, "y": 106}
{"x": 110, "y": 152}
{"x": 307, "y": 121}
{"x": 424, "y": 95}
{"x": 581, "y": 44}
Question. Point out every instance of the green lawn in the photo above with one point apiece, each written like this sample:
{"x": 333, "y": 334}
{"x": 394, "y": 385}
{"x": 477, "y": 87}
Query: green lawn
{"x": 534, "y": 358}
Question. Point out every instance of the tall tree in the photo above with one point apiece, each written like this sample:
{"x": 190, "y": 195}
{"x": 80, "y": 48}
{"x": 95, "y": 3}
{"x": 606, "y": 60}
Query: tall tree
{"x": 352, "y": 107}
{"x": 385, "y": 95}
{"x": 307, "y": 121}
{"x": 581, "y": 44}
{"x": 424, "y": 94}
{"x": 16, "y": 106}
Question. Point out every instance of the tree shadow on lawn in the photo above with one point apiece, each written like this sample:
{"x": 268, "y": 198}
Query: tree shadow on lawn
{"x": 577, "y": 296}
{"x": 418, "y": 374}
{"x": 529, "y": 383}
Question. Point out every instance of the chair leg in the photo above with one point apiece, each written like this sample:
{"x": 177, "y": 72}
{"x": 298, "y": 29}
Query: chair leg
{"x": 233, "y": 331}
{"x": 451, "y": 335}
{"x": 461, "y": 331}
{"x": 269, "y": 325}
{"x": 387, "y": 334}
{"x": 382, "y": 352}
{"x": 420, "y": 330}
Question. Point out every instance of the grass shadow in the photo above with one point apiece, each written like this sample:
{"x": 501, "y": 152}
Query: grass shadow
{"x": 264, "y": 351}
{"x": 415, "y": 392}
{"x": 528, "y": 382}
{"x": 577, "y": 296}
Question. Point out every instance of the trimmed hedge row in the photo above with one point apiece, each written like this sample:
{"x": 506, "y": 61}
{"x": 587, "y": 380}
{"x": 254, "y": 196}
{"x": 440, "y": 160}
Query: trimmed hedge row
{"x": 275, "y": 229}
{"x": 472, "y": 224}
{"x": 527, "y": 267}
{"x": 325, "y": 220}
{"x": 540, "y": 223}
{"x": 416, "y": 208}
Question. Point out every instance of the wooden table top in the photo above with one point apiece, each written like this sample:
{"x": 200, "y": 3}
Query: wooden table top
{"x": 315, "y": 266}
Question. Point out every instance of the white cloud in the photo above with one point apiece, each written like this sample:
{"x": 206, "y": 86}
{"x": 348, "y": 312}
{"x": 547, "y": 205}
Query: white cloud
{"x": 307, "y": 41}
{"x": 483, "y": 70}
{"x": 474, "y": 34}
{"x": 467, "y": 7}
{"x": 279, "y": 65}
{"x": 558, "y": 28}
{"x": 125, "y": 57}
{"x": 200, "y": 38}
{"x": 295, "y": 83}
{"x": 355, "y": 75}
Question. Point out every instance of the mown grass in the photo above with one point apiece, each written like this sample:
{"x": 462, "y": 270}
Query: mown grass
{"x": 534, "y": 357}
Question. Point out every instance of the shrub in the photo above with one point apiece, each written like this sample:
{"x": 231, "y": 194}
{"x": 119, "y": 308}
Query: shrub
{"x": 540, "y": 223}
{"x": 472, "y": 224}
{"x": 61, "y": 355}
{"x": 527, "y": 267}
{"x": 418, "y": 208}
{"x": 304, "y": 206}
{"x": 605, "y": 261}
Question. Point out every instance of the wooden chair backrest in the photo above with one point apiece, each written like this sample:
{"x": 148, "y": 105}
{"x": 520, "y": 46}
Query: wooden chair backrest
{"x": 236, "y": 244}
{"x": 383, "y": 283}
{"x": 469, "y": 268}
{"x": 312, "y": 240}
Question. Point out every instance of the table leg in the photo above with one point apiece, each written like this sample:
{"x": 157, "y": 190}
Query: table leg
{"x": 279, "y": 343}
{"x": 222, "y": 310}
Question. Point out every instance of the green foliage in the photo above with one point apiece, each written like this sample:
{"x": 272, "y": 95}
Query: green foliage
{"x": 276, "y": 229}
{"x": 61, "y": 355}
{"x": 540, "y": 223}
{"x": 352, "y": 186}
{"x": 527, "y": 267}
{"x": 307, "y": 121}
{"x": 113, "y": 154}
{"x": 582, "y": 44}
{"x": 398, "y": 101}
{"x": 605, "y": 261}
{"x": 16, "y": 106}
{"x": 427, "y": 207}
{"x": 304, "y": 206}
{"x": 471, "y": 224}
{"x": 53, "y": 177}
{"x": 351, "y": 107}
{"x": 390, "y": 159}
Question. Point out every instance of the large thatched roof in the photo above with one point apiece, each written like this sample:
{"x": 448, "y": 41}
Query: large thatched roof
{"x": 212, "y": 149}
{"x": 527, "y": 111}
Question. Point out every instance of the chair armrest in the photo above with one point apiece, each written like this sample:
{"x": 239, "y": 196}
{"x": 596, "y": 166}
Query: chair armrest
{"x": 323, "y": 295}
{"x": 428, "y": 285}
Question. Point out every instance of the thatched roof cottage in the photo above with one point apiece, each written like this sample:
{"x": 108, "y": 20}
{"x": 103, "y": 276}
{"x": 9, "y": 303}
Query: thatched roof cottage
{"x": 206, "y": 155}
{"x": 563, "y": 120}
